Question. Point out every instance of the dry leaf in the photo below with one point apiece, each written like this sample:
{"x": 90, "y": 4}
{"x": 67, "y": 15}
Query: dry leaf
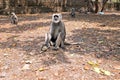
{"x": 100, "y": 42}
{"x": 72, "y": 55}
{"x": 92, "y": 63}
{"x": 106, "y": 72}
{"x": 96, "y": 69}
{"x": 41, "y": 79}
{"x": 14, "y": 44}
{"x": 42, "y": 69}
{"x": 86, "y": 67}
{"x": 28, "y": 61}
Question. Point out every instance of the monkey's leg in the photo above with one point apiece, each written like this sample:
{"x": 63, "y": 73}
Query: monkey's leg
{"x": 47, "y": 39}
{"x": 59, "y": 42}
{"x": 11, "y": 21}
{"x": 47, "y": 42}
{"x": 16, "y": 22}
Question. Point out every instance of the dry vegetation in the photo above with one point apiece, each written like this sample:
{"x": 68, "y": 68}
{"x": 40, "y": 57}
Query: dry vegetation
{"x": 99, "y": 37}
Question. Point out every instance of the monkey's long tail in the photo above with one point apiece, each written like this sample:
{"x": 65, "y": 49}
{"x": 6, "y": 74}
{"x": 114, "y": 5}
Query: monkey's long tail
{"x": 72, "y": 43}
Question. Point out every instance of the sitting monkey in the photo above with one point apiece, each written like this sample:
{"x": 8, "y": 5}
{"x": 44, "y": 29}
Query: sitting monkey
{"x": 13, "y": 18}
{"x": 72, "y": 13}
{"x": 57, "y": 33}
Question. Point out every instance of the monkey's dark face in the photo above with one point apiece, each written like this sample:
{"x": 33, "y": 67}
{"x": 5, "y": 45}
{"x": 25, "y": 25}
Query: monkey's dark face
{"x": 73, "y": 9}
{"x": 56, "y": 18}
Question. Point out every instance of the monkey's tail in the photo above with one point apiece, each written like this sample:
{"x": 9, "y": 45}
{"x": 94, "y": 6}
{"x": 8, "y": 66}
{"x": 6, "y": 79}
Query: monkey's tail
{"x": 72, "y": 43}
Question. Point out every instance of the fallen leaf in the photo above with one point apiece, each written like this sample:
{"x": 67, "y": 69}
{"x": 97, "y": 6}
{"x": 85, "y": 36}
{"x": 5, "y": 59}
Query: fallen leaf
{"x": 28, "y": 61}
{"x": 6, "y": 54}
{"x": 42, "y": 69}
{"x": 32, "y": 53}
{"x": 96, "y": 69}
{"x": 72, "y": 55}
{"x": 100, "y": 42}
{"x": 86, "y": 67}
{"x": 15, "y": 38}
{"x": 41, "y": 78}
{"x": 106, "y": 72}
{"x": 13, "y": 45}
{"x": 92, "y": 63}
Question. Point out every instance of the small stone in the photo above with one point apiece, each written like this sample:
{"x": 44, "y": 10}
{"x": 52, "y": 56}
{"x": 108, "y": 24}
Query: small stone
{"x": 5, "y": 67}
{"x": 28, "y": 62}
{"x": 26, "y": 67}
{"x": 32, "y": 53}
{"x": 86, "y": 67}
{"x": 5, "y": 54}
{"x": 2, "y": 74}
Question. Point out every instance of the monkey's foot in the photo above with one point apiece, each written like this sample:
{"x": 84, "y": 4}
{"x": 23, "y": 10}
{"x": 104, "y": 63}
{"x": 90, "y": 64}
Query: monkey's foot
{"x": 55, "y": 48}
{"x": 63, "y": 48}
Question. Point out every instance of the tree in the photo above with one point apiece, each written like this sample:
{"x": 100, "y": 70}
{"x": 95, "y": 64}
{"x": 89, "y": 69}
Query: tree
{"x": 96, "y": 6}
{"x": 91, "y": 5}
{"x": 103, "y": 4}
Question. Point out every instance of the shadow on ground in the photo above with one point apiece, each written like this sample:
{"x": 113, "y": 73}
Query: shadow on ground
{"x": 111, "y": 20}
{"x": 32, "y": 46}
{"x": 103, "y": 43}
{"x": 24, "y": 27}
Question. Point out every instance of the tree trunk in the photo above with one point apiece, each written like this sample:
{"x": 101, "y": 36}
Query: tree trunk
{"x": 7, "y": 4}
{"x": 90, "y": 6}
{"x": 103, "y": 4}
{"x": 96, "y": 6}
{"x": 63, "y": 5}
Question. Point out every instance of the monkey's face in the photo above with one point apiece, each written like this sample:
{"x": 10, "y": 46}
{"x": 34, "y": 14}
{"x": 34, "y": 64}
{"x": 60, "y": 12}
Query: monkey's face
{"x": 56, "y": 18}
{"x": 73, "y": 9}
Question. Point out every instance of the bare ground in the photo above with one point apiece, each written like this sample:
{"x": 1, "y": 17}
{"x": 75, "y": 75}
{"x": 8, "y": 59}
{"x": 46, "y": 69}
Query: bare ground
{"x": 98, "y": 35}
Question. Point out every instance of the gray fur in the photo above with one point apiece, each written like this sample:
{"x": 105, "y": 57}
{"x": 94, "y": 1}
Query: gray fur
{"x": 72, "y": 13}
{"x": 57, "y": 33}
{"x": 14, "y": 18}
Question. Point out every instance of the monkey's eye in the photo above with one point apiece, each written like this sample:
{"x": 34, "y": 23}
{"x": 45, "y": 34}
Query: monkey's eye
{"x": 56, "y": 16}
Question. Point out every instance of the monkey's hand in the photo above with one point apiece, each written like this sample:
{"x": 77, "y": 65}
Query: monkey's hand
{"x": 44, "y": 48}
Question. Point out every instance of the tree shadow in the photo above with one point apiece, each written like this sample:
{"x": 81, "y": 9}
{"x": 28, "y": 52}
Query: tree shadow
{"x": 55, "y": 57}
{"x": 28, "y": 45}
{"x": 24, "y": 27}
{"x": 102, "y": 43}
{"x": 112, "y": 20}
{"x": 31, "y": 47}
{"x": 33, "y": 17}
{"x": 25, "y": 17}
{"x": 4, "y": 20}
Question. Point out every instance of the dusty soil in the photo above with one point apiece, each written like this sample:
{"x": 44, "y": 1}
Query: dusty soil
{"x": 98, "y": 35}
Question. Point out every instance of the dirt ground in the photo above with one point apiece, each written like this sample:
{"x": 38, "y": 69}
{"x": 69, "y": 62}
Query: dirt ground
{"x": 98, "y": 51}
